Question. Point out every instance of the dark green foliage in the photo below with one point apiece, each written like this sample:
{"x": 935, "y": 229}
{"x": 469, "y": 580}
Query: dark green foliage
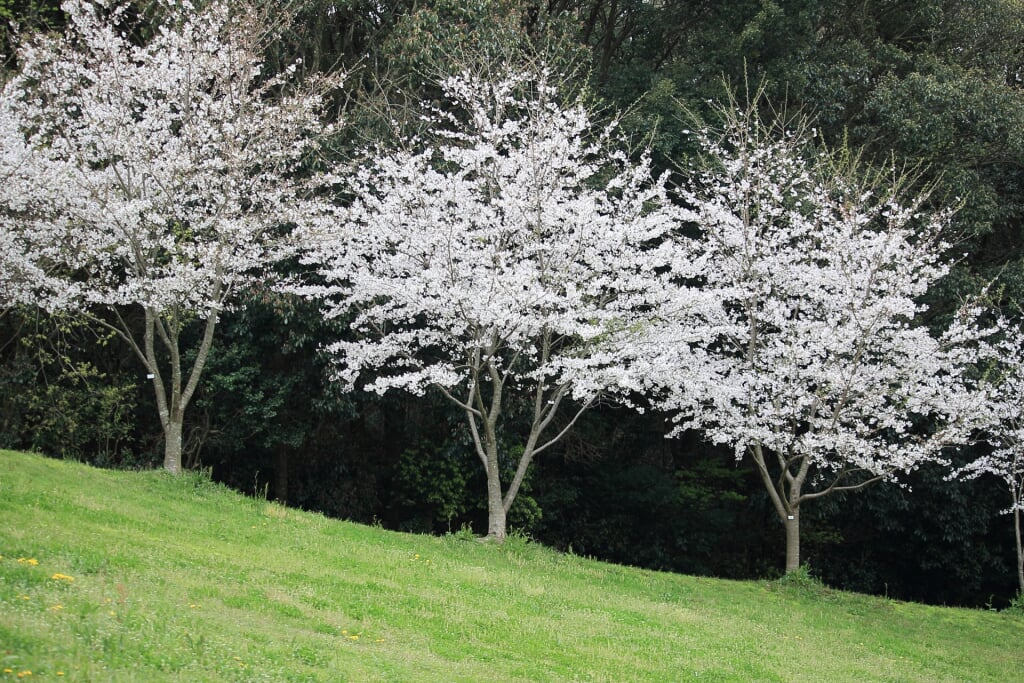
{"x": 621, "y": 491}
{"x": 431, "y": 486}
{"x": 62, "y": 392}
{"x": 18, "y": 15}
{"x": 933, "y": 85}
{"x": 438, "y": 485}
{"x": 935, "y": 541}
{"x": 266, "y": 401}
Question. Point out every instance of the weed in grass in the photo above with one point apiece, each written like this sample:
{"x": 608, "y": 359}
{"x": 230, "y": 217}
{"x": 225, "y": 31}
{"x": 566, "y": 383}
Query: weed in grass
{"x": 325, "y": 629}
{"x": 418, "y": 559}
{"x": 13, "y": 641}
{"x": 87, "y": 560}
{"x": 517, "y": 545}
{"x": 275, "y": 510}
{"x": 316, "y": 602}
{"x": 284, "y": 609}
{"x": 199, "y": 480}
{"x": 249, "y": 600}
{"x": 801, "y": 582}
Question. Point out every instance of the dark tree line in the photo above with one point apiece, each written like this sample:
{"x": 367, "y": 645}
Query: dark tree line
{"x": 933, "y": 85}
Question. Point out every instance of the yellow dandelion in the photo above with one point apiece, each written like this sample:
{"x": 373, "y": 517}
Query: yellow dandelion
{"x": 22, "y": 674}
{"x": 56, "y": 608}
{"x": 344, "y": 631}
{"x": 60, "y": 673}
{"x": 31, "y": 561}
{"x": 62, "y": 577}
{"x": 8, "y": 671}
{"x": 379, "y": 640}
{"x": 26, "y": 597}
{"x": 353, "y": 637}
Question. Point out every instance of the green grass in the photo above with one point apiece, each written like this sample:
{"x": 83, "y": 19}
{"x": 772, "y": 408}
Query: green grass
{"x": 183, "y": 580}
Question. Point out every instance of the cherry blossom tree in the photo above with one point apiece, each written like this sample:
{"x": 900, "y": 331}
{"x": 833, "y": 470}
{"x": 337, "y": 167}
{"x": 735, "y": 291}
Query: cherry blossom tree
{"x": 1003, "y": 428}
{"x": 150, "y": 181}
{"x": 494, "y": 261}
{"x": 812, "y": 363}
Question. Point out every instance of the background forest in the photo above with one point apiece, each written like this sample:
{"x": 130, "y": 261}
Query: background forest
{"x": 935, "y": 86}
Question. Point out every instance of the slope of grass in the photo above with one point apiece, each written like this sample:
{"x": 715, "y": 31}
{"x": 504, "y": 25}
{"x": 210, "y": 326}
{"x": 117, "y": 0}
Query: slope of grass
{"x": 127, "y": 576}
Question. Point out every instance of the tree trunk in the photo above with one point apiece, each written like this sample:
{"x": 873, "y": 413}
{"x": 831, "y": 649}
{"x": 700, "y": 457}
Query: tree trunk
{"x": 1020, "y": 548}
{"x": 495, "y": 504}
{"x": 173, "y": 444}
{"x": 792, "y": 523}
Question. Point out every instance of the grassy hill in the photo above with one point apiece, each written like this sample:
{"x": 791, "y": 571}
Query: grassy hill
{"x": 127, "y": 576}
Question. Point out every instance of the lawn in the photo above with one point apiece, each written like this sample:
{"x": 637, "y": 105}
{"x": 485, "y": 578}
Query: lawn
{"x": 140, "y": 576}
